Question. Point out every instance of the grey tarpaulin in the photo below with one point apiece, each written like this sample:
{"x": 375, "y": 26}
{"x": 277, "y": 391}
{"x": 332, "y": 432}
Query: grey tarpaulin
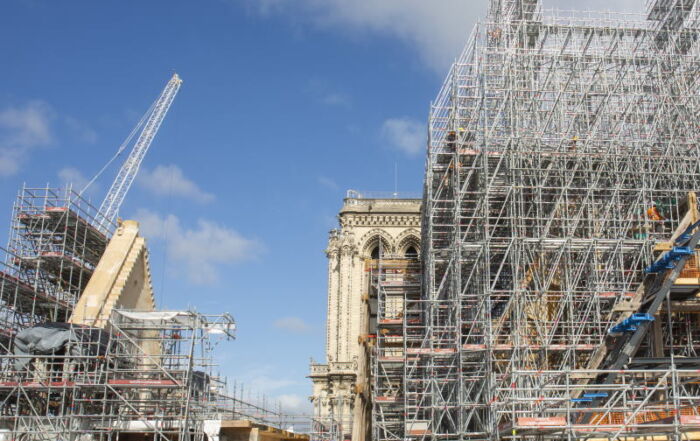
{"x": 53, "y": 338}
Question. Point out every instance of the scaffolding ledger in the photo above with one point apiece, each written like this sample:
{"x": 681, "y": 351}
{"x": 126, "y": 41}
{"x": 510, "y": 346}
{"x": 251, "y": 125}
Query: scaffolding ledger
{"x": 563, "y": 157}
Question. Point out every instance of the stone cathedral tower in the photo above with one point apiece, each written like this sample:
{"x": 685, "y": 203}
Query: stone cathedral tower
{"x": 369, "y": 225}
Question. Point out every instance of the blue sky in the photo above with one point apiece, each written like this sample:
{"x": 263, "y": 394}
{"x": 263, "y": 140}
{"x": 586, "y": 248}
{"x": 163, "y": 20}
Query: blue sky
{"x": 285, "y": 105}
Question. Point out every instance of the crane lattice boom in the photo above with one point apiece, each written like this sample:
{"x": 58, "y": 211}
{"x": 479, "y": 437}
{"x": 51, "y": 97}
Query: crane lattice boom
{"x": 110, "y": 206}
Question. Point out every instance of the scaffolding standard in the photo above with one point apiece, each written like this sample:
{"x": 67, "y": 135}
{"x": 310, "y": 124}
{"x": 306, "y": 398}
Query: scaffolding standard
{"x": 325, "y": 428}
{"x": 53, "y": 249}
{"x": 562, "y": 151}
{"x": 146, "y": 373}
{"x": 394, "y": 284}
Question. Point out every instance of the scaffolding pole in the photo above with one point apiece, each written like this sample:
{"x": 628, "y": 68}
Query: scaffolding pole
{"x": 562, "y": 149}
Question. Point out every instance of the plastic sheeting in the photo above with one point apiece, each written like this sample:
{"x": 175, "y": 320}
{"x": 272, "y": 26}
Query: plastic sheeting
{"x": 182, "y": 318}
{"x": 54, "y": 339}
{"x": 212, "y": 428}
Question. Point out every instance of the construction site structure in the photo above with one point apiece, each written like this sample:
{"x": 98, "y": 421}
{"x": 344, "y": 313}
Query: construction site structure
{"x": 145, "y": 375}
{"x": 371, "y": 225}
{"x": 57, "y": 237}
{"x": 102, "y": 383}
{"x": 84, "y": 355}
{"x": 559, "y": 236}
{"x": 395, "y": 286}
{"x": 122, "y": 279}
{"x": 53, "y": 251}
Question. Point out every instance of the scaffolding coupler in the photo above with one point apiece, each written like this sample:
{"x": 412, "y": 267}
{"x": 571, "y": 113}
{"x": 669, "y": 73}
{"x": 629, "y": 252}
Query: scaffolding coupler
{"x": 630, "y": 324}
{"x": 687, "y": 234}
{"x": 669, "y": 259}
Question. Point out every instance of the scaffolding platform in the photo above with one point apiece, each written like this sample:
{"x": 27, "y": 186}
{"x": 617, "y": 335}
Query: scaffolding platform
{"x": 395, "y": 285}
{"x": 51, "y": 255}
{"x": 75, "y": 230}
{"x": 151, "y": 370}
{"x": 28, "y": 300}
{"x": 64, "y": 269}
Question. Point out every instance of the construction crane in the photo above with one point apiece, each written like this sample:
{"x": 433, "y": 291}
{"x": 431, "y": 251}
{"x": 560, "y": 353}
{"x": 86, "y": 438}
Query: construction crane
{"x": 150, "y": 122}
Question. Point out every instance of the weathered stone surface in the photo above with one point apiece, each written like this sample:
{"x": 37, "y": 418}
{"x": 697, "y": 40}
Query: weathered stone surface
{"x": 340, "y": 385}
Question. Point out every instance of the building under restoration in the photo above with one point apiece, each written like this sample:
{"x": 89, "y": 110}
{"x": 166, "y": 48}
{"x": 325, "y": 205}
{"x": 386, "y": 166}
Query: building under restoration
{"x": 559, "y": 295}
{"x": 563, "y": 156}
{"x": 372, "y": 228}
{"x": 560, "y": 278}
{"x": 84, "y": 354}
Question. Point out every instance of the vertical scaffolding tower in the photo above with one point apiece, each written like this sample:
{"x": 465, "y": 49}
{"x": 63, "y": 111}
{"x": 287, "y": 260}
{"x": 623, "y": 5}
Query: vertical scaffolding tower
{"x": 52, "y": 251}
{"x": 395, "y": 284}
{"x": 562, "y": 149}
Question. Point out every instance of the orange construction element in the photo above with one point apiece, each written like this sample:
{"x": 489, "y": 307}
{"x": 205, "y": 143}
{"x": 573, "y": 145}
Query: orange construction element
{"x": 654, "y": 214}
{"x": 642, "y": 417}
{"x": 690, "y": 270}
{"x": 541, "y": 422}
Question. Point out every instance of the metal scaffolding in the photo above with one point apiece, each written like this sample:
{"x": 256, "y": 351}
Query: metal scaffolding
{"x": 394, "y": 284}
{"x": 52, "y": 251}
{"x": 145, "y": 372}
{"x": 562, "y": 150}
{"x": 325, "y": 428}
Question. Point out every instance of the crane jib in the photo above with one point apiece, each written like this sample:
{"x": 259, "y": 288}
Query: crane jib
{"x": 127, "y": 173}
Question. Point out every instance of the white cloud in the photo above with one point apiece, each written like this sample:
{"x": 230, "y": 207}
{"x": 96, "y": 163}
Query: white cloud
{"x": 293, "y": 404}
{"x": 437, "y": 29}
{"x": 27, "y": 126}
{"x": 265, "y": 379}
{"x": 336, "y": 99}
{"x": 81, "y": 130}
{"x": 23, "y": 129}
{"x": 293, "y": 324}
{"x": 167, "y": 180}
{"x": 405, "y": 134}
{"x": 199, "y": 251}
{"x": 325, "y": 94}
{"x": 9, "y": 161}
{"x": 273, "y": 384}
{"x": 73, "y": 176}
{"x": 266, "y": 383}
{"x": 328, "y": 183}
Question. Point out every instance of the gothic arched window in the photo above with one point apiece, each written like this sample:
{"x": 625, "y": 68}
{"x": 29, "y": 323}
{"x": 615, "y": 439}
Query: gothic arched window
{"x": 411, "y": 252}
{"x": 375, "y": 252}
